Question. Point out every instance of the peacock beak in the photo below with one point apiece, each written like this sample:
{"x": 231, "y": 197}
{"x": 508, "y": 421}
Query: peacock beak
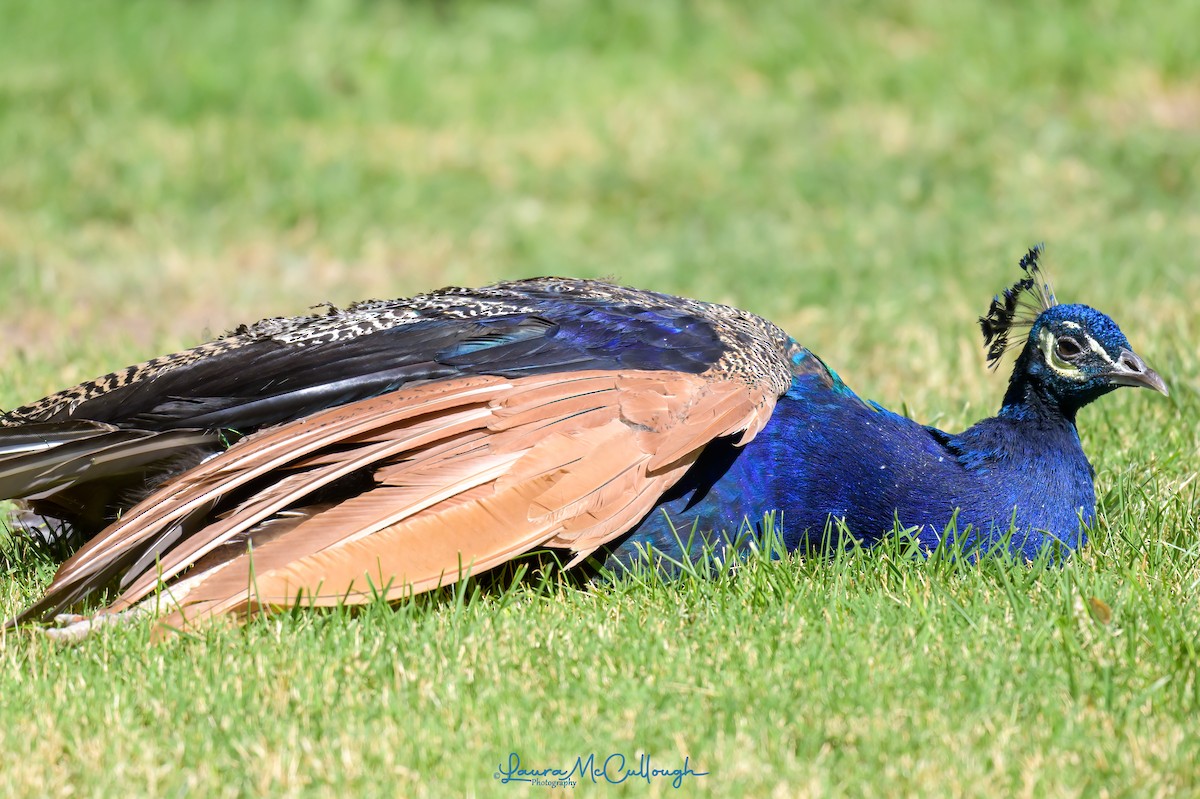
{"x": 1131, "y": 370}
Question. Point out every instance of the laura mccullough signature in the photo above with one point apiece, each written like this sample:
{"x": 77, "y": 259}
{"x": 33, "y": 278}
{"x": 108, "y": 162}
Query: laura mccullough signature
{"x": 612, "y": 769}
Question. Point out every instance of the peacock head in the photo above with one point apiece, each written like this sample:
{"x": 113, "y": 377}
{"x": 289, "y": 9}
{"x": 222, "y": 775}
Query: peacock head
{"x": 1072, "y": 354}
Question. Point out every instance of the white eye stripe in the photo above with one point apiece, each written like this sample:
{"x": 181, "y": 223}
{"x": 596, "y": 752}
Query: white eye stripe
{"x": 1048, "y": 344}
{"x": 1096, "y": 348}
{"x": 1091, "y": 344}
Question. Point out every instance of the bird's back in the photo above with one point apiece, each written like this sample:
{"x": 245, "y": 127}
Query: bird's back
{"x": 279, "y": 369}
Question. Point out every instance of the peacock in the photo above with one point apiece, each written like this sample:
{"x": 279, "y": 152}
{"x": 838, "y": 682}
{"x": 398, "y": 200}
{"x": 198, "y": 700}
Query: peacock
{"x": 391, "y": 447}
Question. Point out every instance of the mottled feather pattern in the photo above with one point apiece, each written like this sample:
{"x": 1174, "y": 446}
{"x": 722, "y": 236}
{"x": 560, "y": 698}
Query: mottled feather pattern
{"x": 755, "y": 349}
{"x": 64, "y": 403}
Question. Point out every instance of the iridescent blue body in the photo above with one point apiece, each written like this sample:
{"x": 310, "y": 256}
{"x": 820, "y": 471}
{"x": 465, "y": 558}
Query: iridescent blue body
{"x": 828, "y": 456}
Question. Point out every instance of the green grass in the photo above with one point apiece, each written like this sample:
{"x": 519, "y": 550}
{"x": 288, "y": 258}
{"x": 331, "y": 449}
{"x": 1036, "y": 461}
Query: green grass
{"x": 865, "y": 174}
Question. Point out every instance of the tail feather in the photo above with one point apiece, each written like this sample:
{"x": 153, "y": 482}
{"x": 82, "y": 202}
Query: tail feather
{"x": 79, "y": 473}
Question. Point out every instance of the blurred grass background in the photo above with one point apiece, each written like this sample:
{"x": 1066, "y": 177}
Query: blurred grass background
{"x": 866, "y": 174}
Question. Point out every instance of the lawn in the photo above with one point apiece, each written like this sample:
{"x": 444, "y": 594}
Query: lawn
{"x": 865, "y": 174}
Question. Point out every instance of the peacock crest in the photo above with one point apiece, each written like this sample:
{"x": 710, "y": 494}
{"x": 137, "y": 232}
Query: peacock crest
{"x": 1018, "y": 307}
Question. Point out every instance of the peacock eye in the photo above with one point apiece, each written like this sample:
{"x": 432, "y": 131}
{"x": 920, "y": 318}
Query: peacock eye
{"x": 1067, "y": 348}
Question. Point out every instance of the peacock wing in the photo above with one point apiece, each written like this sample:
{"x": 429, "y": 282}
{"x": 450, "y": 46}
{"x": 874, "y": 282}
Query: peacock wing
{"x": 465, "y": 475}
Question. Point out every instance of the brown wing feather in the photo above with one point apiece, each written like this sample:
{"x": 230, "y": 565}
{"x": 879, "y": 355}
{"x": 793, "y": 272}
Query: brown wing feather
{"x": 468, "y": 474}
{"x": 257, "y": 455}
